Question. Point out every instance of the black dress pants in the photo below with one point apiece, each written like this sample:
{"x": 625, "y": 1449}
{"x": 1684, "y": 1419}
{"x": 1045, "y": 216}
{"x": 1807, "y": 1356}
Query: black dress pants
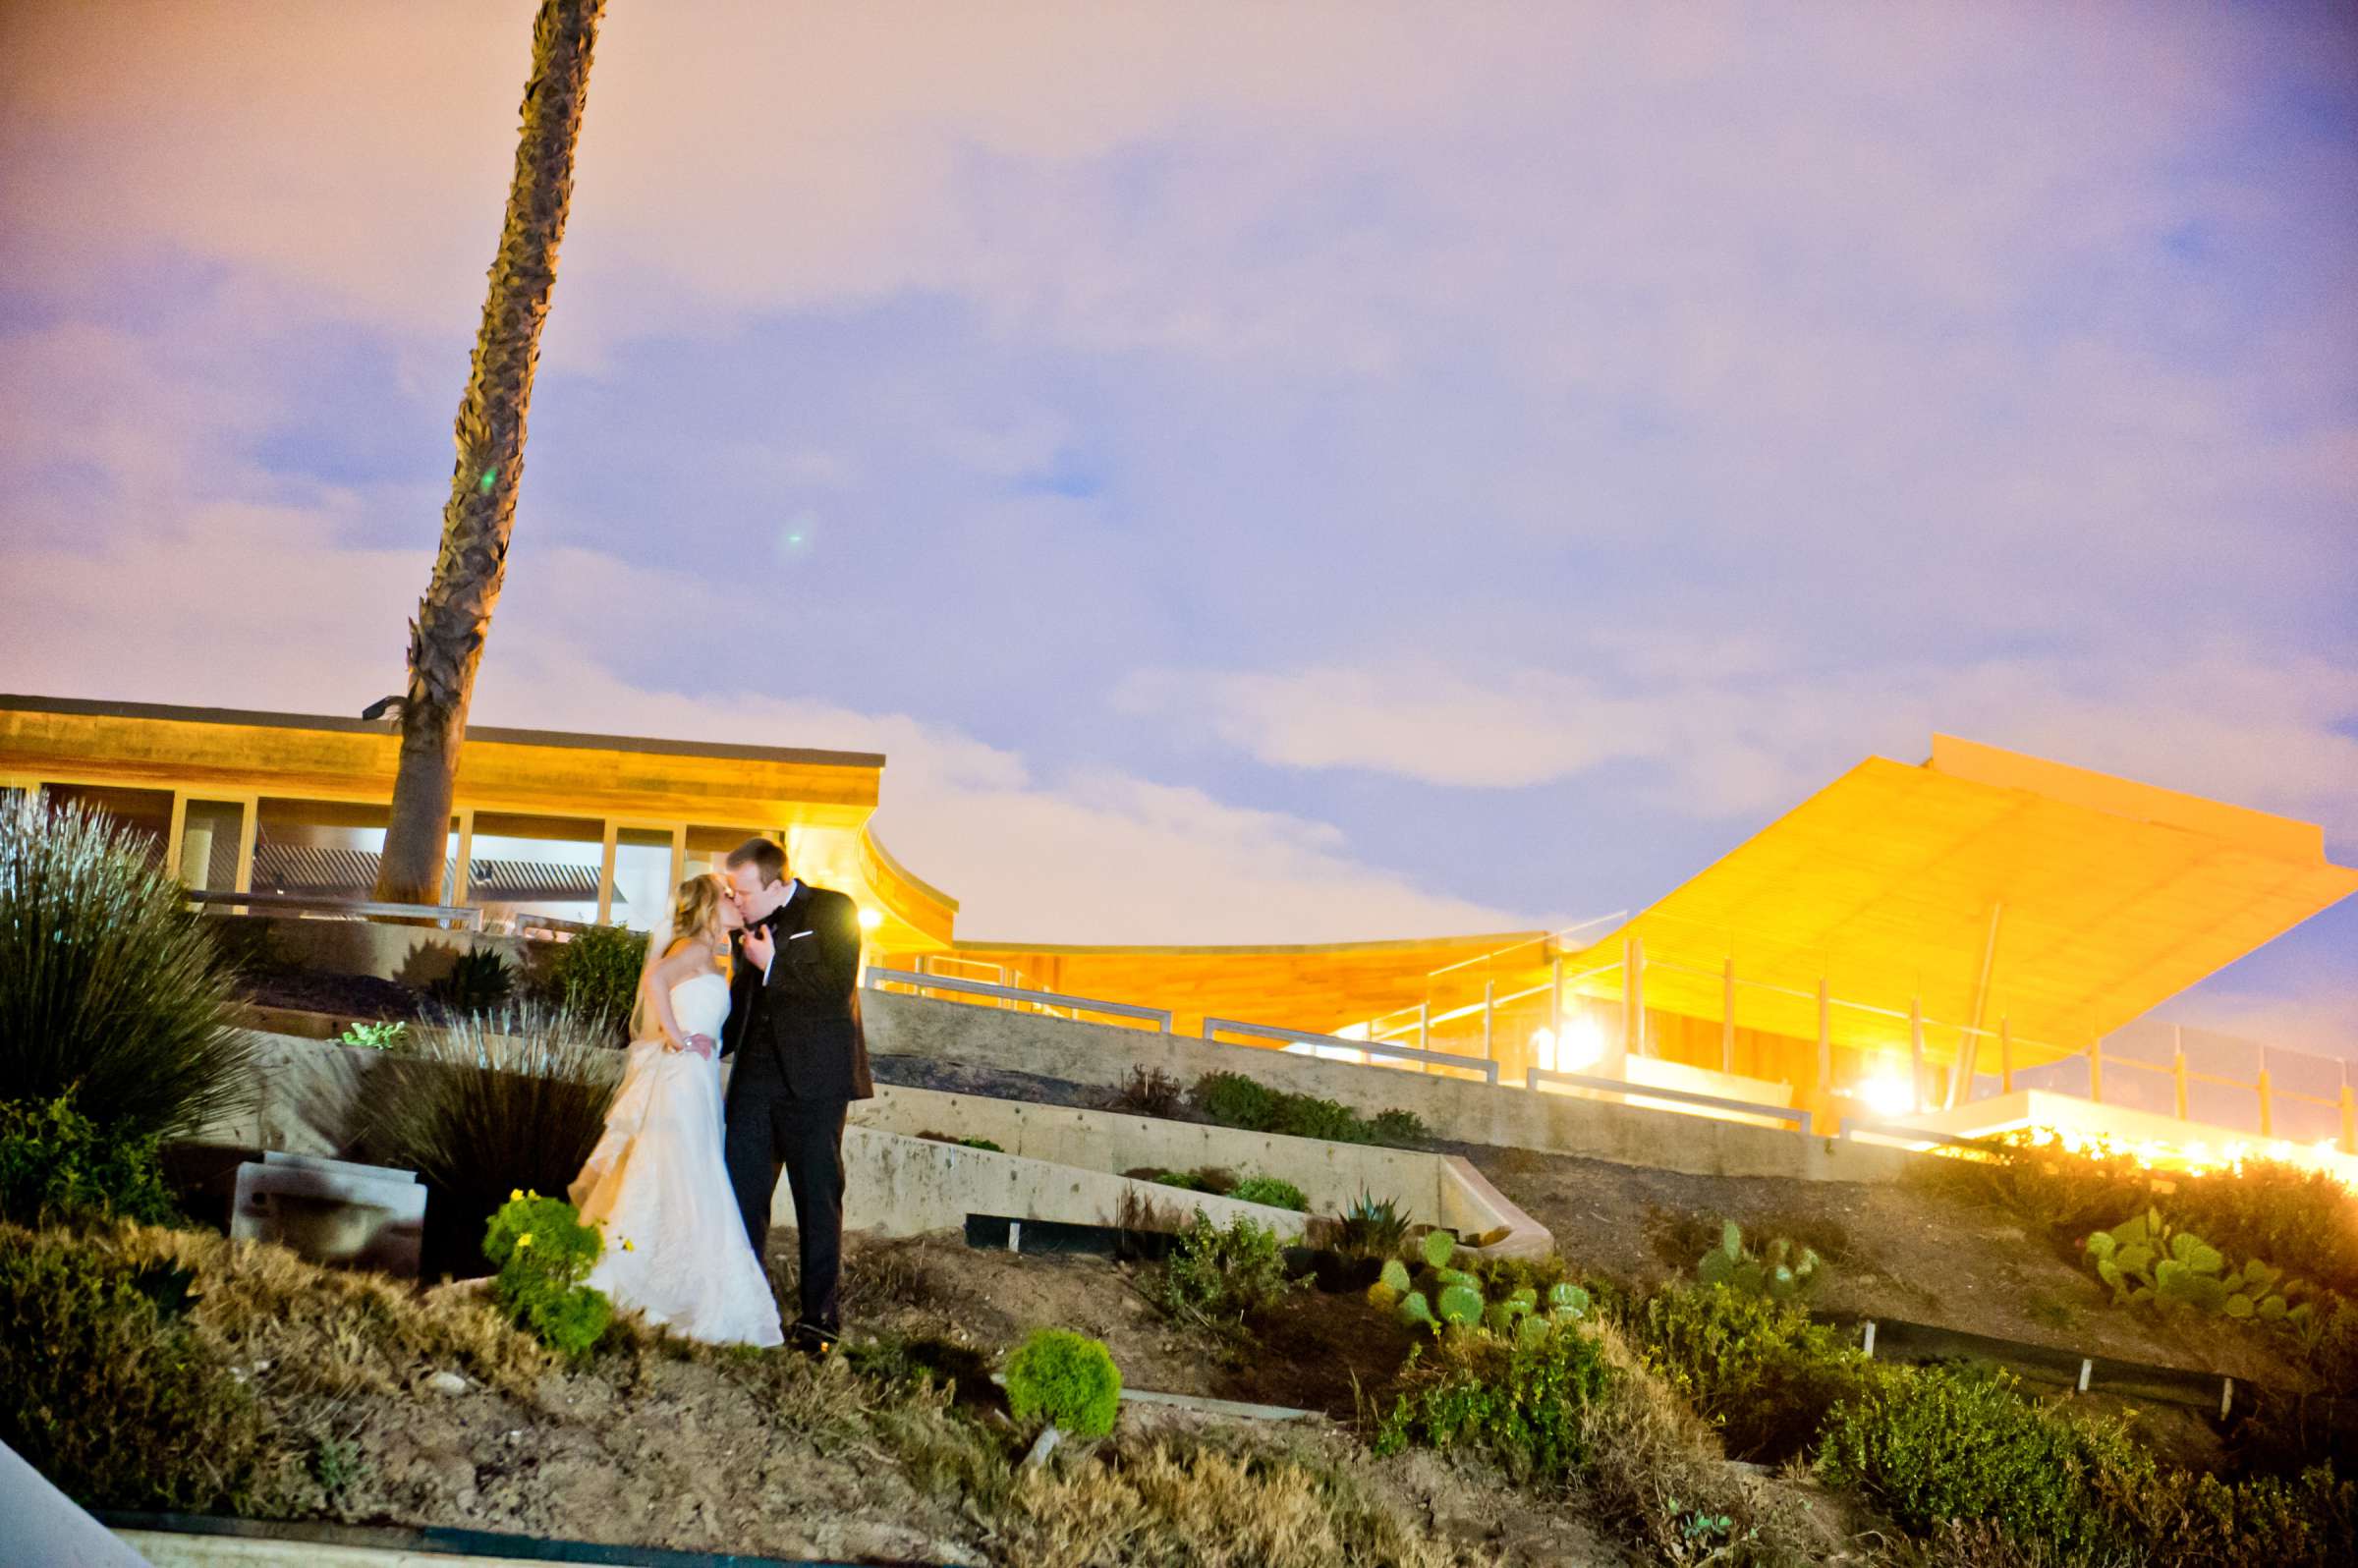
{"x": 769, "y": 1128}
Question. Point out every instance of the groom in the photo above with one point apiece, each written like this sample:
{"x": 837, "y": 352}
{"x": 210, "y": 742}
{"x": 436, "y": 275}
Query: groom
{"x": 801, "y": 1060}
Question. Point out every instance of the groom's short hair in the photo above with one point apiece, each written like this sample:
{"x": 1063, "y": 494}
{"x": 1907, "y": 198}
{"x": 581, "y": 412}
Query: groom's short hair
{"x": 764, "y": 854}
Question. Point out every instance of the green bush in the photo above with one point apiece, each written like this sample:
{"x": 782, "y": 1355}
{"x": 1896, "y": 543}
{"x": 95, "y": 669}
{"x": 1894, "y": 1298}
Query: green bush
{"x": 544, "y": 1251}
{"x": 1398, "y": 1127}
{"x": 483, "y": 1105}
{"x": 1223, "y": 1277}
{"x": 58, "y": 1167}
{"x": 1307, "y": 1117}
{"x": 2263, "y": 1521}
{"x": 111, "y": 1393}
{"x": 1758, "y": 1369}
{"x": 1936, "y": 1445}
{"x": 1065, "y": 1379}
{"x": 1521, "y": 1402}
{"x": 108, "y": 990}
{"x": 594, "y": 977}
{"x": 1234, "y": 1100}
{"x": 1273, "y": 1191}
{"x": 2304, "y": 1221}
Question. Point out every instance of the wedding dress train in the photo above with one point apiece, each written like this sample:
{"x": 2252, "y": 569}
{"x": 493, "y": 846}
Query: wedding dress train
{"x": 655, "y": 1184}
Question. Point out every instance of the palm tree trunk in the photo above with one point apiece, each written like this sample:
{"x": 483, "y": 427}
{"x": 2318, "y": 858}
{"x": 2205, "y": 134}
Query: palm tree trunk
{"x": 446, "y": 640}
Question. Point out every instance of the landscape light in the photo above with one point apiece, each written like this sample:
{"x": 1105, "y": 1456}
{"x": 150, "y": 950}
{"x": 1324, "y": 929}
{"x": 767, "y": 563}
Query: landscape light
{"x": 870, "y": 919}
{"x": 1887, "y": 1096}
{"x": 1580, "y": 1047}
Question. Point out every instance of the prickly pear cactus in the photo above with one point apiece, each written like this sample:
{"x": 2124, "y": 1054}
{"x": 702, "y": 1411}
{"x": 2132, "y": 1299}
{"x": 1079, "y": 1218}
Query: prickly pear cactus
{"x": 1567, "y": 1300}
{"x": 1382, "y": 1297}
{"x": 1439, "y": 1245}
{"x": 1395, "y": 1274}
{"x": 1416, "y": 1311}
{"x": 2146, "y": 1258}
{"x": 1459, "y": 1304}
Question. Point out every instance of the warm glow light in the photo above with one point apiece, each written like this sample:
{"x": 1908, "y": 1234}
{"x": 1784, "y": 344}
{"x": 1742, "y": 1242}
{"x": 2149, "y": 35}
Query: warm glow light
{"x": 870, "y": 919}
{"x": 1887, "y": 1096}
{"x": 1580, "y": 1047}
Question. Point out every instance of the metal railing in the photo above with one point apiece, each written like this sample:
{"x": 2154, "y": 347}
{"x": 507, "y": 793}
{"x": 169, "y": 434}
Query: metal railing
{"x": 1848, "y": 1129}
{"x": 456, "y": 915}
{"x": 1215, "y": 1026}
{"x": 1629, "y": 1091}
{"x": 878, "y": 979}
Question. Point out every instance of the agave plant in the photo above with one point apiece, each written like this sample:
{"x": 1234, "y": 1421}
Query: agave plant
{"x": 108, "y": 989}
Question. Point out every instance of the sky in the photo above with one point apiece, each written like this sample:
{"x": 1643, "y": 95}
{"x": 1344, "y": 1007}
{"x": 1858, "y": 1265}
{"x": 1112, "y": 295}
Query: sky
{"x": 1261, "y": 473}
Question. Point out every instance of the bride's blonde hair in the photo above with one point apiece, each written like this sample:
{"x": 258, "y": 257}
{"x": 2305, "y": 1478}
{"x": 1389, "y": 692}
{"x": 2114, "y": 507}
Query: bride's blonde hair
{"x": 695, "y": 906}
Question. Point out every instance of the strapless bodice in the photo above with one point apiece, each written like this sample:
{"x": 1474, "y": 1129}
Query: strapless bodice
{"x": 702, "y": 1004}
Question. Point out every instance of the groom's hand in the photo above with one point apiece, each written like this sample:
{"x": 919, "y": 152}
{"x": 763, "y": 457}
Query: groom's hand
{"x": 760, "y": 947}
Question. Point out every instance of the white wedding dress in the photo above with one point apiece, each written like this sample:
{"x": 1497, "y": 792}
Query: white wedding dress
{"x": 655, "y": 1184}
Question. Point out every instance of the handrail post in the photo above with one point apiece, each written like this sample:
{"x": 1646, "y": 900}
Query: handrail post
{"x": 1555, "y": 996}
{"x": 2268, "y": 1110}
{"x": 1916, "y": 1054}
{"x": 1424, "y": 1025}
{"x": 2095, "y": 1071}
{"x": 1826, "y": 1040}
{"x": 2177, "y": 1065}
{"x": 2005, "y": 1055}
{"x": 1633, "y": 997}
{"x": 1727, "y": 1015}
{"x": 1490, "y": 1013}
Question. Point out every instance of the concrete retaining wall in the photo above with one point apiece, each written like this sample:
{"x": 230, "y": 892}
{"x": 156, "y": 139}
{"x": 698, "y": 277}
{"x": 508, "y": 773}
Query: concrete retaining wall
{"x": 900, "y": 1025}
{"x": 1054, "y": 1163}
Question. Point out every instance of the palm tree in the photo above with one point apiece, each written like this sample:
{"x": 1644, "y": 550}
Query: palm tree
{"x": 446, "y": 640}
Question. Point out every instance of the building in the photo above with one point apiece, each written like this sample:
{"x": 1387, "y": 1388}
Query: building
{"x": 1935, "y": 941}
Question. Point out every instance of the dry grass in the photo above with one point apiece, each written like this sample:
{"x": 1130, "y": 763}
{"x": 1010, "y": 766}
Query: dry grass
{"x": 332, "y": 1331}
{"x": 1654, "y": 1466}
{"x": 1162, "y": 1503}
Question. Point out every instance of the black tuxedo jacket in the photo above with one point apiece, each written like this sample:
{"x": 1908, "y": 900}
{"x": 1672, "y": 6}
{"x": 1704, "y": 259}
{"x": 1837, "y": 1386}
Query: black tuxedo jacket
{"x": 807, "y": 1018}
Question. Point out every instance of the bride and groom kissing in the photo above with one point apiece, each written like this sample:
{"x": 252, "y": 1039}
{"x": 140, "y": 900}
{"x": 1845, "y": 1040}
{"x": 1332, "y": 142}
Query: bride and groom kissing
{"x": 687, "y": 1176}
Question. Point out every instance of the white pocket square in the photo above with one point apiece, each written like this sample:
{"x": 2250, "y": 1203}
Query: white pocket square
{"x": 799, "y": 935}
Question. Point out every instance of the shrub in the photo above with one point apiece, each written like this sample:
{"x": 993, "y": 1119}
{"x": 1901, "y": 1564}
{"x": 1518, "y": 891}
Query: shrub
{"x": 56, "y": 1166}
{"x": 1758, "y": 1369}
{"x": 1234, "y": 1100}
{"x": 479, "y": 980}
{"x": 1273, "y": 1191}
{"x": 108, "y": 990}
{"x": 1934, "y": 1445}
{"x": 544, "y": 1251}
{"x": 1066, "y": 1379}
{"x": 1149, "y": 1093}
{"x": 1307, "y": 1117}
{"x": 111, "y": 1393}
{"x": 481, "y": 1106}
{"x": 375, "y": 1035}
{"x": 1221, "y": 1277}
{"x": 2265, "y": 1521}
{"x": 2304, "y": 1221}
{"x": 594, "y": 977}
{"x": 1520, "y": 1402}
{"x": 1397, "y": 1127}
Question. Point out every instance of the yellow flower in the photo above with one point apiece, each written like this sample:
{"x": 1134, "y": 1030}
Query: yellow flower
{"x": 524, "y": 1240}
{"x": 516, "y": 1195}
{"x": 627, "y": 1245}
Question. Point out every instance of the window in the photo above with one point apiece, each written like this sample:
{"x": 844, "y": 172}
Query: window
{"x": 146, "y": 814}
{"x": 526, "y": 869}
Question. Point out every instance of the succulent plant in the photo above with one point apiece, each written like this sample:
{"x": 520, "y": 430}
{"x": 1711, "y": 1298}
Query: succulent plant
{"x": 1382, "y": 1297}
{"x": 1781, "y": 1273}
{"x": 2146, "y": 1258}
{"x": 1415, "y": 1309}
{"x": 1458, "y": 1303}
{"x": 1395, "y": 1274}
{"x": 1567, "y": 1300}
{"x": 1439, "y": 1246}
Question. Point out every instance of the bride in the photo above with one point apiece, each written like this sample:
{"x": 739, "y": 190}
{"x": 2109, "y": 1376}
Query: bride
{"x": 676, "y": 1249}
